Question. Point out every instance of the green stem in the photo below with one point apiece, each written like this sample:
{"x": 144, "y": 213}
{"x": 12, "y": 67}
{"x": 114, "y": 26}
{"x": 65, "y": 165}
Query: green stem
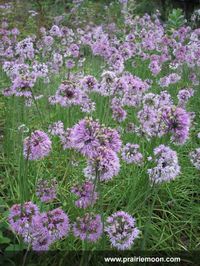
{"x": 151, "y": 208}
{"x": 23, "y": 175}
{"x": 37, "y": 108}
{"x": 82, "y": 257}
{"x": 99, "y": 190}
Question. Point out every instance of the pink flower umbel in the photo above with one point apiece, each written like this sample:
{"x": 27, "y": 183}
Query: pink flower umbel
{"x": 177, "y": 121}
{"x": 195, "y": 158}
{"x": 46, "y": 190}
{"x": 86, "y": 194}
{"x": 167, "y": 167}
{"x": 121, "y": 230}
{"x": 88, "y": 135}
{"x": 37, "y": 146}
{"x": 20, "y": 216}
{"x": 89, "y": 227}
{"x": 131, "y": 154}
{"x": 46, "y": 228}
{"x": 104, "y": 166}
{"x": 57, "y": 223}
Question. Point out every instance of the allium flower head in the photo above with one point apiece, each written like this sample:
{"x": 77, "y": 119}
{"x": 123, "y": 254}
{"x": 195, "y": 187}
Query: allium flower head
{"x": 131, "y": 154}
{"x": 119, "y": 114}
{"x": 48, "y": 40}
{"x": 110, "y": 138}
{"x": 21, "y": 215}
{"x": 40, "y": 69}
{"x": 170, "y": 79}
{"x": 37, "y": 235}
{"x": 46, "y": 190}
{"x": 155, "y": 67}
{"x": 57, "y": 223}
{"x": 66, "y": 139}
{"x": 70, "y": 64}
{"x": 56, "y": 129}
{"x": 37, "y": 145}
{"x": 86, "y": 194}
{"x": 25, "y": 48}
{"x": 55, "y": 31}
{"x": 57, "y": 60}
{"x": 177, "y": 121}
{"x": 88, "y": 135}
{"x": 67, "y": 95}
{"x": 117, "y": 62}
{"x": 74, "y": 50}
{"x": 45, "y": 228}
{"x": 167, "y": 167}
{"x": 22, "y": 85}
{"x": 195, "y": 158}
{"x": 89, "y": 227}
{"x": 89, "y": 83}
{"x": 106, "y": 85}
{"x": 87, "y": 106}
{"x": 84, "y": 137}
{"x": 121, "y": 230}
{"x": 159, "y": 116}
{"x": 105, "y": 165}
{"x": 184, "y": 95}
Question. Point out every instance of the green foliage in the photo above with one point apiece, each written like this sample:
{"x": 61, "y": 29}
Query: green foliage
{"x": 175, "y": 20}
{"x": 146, "y": 6}
{"x": 3, "y": 239}
{"x": 173, "y": 224}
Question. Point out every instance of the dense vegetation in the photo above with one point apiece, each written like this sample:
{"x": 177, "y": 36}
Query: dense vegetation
{"x": 99, "y": 129}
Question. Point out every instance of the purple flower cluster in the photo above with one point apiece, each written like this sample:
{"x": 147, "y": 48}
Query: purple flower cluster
{"x": 57, "y": 223}
{"x": 121, "y": 230}
{"x": 59, "y": 51}
{"x": 159, "y": 116}
{"x": 183, "y": 96}
{"x": 127, "y": 90}
{"x": 88, "y": 135}
{"x": 118, "y": 113}
{"x": 195, "y": 158}
{"x": 171, "y": 79}
{"x": 21, "y": 85}
{"x": 130, "y": 153}
{"x": 150, "y": 115}
{"x": 66, "y": 95}
{"x": 177, "y": 121}
{"x": 100, "y": 145}
{"x": 37, "y": 236}
{"x": 20, "y": 216}
{"x": 39, "y": 230}
{"x": 40, "y": 69}
{"x": 89, "y": 83}
{"x": 46, "y": 190}
{"x": 71, "y": 93}
{"x": 104, "y": 165}
{"x": 84, "y": 136}
{"x": 86, "y": 194}
{"x": 37, "y": 145}
{"x": 25, "y": 48}
{"x": 167, "y": 167}
{"x": 66, "y": 139}
{"x": 56, "y": 129}
{"x": 89, "y": 227}
{"x": 107, "y": 83}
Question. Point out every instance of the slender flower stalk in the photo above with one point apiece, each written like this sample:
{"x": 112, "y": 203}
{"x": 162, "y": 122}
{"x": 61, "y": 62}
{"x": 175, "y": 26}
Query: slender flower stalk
{"x": 154, "y": 191}
{"x": 37, "y": 108}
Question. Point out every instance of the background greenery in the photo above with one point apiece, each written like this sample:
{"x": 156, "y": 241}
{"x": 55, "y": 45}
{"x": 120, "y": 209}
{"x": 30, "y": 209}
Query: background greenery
{"x": 167, "y": 216}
